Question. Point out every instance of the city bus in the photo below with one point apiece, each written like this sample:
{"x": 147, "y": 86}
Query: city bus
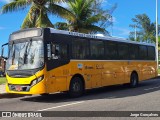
{"x": 46, "y": 60}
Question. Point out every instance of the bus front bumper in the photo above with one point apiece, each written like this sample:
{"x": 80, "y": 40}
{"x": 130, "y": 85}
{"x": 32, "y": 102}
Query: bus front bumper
{"x": 38, "y": 88}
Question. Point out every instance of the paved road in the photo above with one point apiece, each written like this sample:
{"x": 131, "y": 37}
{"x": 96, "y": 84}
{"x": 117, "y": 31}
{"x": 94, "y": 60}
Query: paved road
{"x": 146, "y": 97}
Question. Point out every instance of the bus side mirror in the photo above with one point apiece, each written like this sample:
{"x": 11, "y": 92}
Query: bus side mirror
{"x": 1, "y": 55}
{"x": 2, "y": 50}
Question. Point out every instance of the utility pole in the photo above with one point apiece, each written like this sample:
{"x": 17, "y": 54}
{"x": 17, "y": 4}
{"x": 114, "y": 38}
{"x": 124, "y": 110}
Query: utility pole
{"x": 157, "y": 32}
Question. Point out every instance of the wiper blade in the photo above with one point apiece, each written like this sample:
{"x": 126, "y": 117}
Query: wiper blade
{"x": 26, "y": 53}
{"x": 13, "y": 53}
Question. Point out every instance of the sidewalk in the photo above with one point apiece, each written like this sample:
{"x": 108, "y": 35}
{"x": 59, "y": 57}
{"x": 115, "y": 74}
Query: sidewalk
{"x": 2, "y": 89}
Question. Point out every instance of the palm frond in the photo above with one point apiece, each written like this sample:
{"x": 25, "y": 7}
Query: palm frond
{"x": 94, "y": 19}
{"x": 43, "y": 20}
{"x": 30, "y": 19}
{"x": 60, "y": 11}
{"x": 27, "y": 23}
{"x": 15, "y": 6}
{"x": 57, "y": 1}
{"x": 97, "y": 29}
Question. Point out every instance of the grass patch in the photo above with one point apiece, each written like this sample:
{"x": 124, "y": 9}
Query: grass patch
{"x": 159, "y": 70}
{"x": 2, "y": 80}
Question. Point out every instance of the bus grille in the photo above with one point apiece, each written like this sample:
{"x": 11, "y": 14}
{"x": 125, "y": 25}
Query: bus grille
{"x": 19, "y": 88}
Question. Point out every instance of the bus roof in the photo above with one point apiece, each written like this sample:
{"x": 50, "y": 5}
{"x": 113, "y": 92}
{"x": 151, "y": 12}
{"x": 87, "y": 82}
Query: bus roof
{"x": 118, "y": 39}
{"x": 37, "y": 32}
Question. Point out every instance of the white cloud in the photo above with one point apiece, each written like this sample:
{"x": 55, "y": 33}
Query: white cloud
{"x": 105, "y": 2}
{"x": 121, "y": 31}
{"x": 113, "y": 19}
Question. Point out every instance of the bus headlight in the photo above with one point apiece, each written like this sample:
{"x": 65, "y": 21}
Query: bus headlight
{"x": 37, "y": 80}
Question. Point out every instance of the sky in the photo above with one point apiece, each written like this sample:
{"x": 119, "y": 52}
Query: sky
{"x": 125, "y": 11}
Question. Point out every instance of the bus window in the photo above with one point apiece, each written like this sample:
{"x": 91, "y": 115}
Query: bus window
{"x": 97, "y": 49}
{"x": 133, "y": 52}
{"x": 123, "y": 51}
{"x": 143, "y": 52}
{"x": 58, "y": 51}
{"x": 151, "y": 53}
{"x": 80, "y": 49}
{"x": 111, "y": 51}
{"x": 63, "y": 51}
{"x": 55, "y": 51}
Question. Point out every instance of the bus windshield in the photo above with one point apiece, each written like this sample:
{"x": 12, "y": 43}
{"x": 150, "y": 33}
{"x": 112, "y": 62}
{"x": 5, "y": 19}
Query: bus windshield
{"x": 25, "y": 55}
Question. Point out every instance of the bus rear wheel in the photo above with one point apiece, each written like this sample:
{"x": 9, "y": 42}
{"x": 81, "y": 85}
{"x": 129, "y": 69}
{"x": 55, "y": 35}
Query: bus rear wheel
{"x": 134, "y": 80}
{"x": 76, "y": 88}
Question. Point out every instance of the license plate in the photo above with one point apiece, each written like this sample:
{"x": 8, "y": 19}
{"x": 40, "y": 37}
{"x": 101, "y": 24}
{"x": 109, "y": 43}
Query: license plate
{"x": 18, "y": 88}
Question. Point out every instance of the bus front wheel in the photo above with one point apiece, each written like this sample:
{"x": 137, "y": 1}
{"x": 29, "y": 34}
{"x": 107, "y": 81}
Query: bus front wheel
{"x": 76, "y": 88}
{"x": 134, "y": 80}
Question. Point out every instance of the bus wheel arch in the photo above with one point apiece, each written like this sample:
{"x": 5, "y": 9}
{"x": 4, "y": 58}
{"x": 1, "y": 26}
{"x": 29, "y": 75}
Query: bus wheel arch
{"x": 134, "y": 79}
{"x": 76, "y": 86}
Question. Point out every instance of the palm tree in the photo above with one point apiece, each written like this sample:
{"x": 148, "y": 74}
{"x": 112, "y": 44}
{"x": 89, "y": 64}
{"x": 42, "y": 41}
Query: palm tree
{"x": 38, "y": 12}
{"x": 85, "y": 17}
{"x": 146, "y": 29}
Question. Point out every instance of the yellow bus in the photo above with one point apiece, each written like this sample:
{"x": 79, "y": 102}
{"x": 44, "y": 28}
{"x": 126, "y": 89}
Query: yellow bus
{"x": 45, "y": 60}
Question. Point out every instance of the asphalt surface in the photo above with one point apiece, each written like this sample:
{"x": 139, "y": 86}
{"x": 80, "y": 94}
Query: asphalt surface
{"x": 146, "y": 97}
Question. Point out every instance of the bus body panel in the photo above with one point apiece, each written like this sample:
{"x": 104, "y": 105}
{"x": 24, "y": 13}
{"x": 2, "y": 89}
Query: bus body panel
{"x": 119, "y": 73}
{"x": 95, "y": 73}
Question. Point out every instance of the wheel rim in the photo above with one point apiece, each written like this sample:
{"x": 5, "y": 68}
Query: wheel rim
{"x": 76, "y": 86}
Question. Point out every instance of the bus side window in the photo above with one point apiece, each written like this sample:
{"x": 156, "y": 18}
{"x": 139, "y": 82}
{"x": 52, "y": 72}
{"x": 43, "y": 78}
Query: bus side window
{"x": 133, "y": 52}
{"x": 151, "y": 53}
{"x": 143, "y": 52}
{"x": 55, "y": 51}
{"x": 58, "y": 51}
{"x": 52, "y": 51}
{"x": 49, "y": 51}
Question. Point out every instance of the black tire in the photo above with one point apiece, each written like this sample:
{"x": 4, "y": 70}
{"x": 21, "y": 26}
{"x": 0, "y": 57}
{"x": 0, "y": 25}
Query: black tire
{"x": 76, "y": 88}
{"x": 134, "y": 80}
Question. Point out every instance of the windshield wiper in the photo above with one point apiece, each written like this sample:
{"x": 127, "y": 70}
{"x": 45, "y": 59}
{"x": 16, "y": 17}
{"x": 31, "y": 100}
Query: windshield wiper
{"x": 26, "y": 53}
{"x": 13, "y": 53}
